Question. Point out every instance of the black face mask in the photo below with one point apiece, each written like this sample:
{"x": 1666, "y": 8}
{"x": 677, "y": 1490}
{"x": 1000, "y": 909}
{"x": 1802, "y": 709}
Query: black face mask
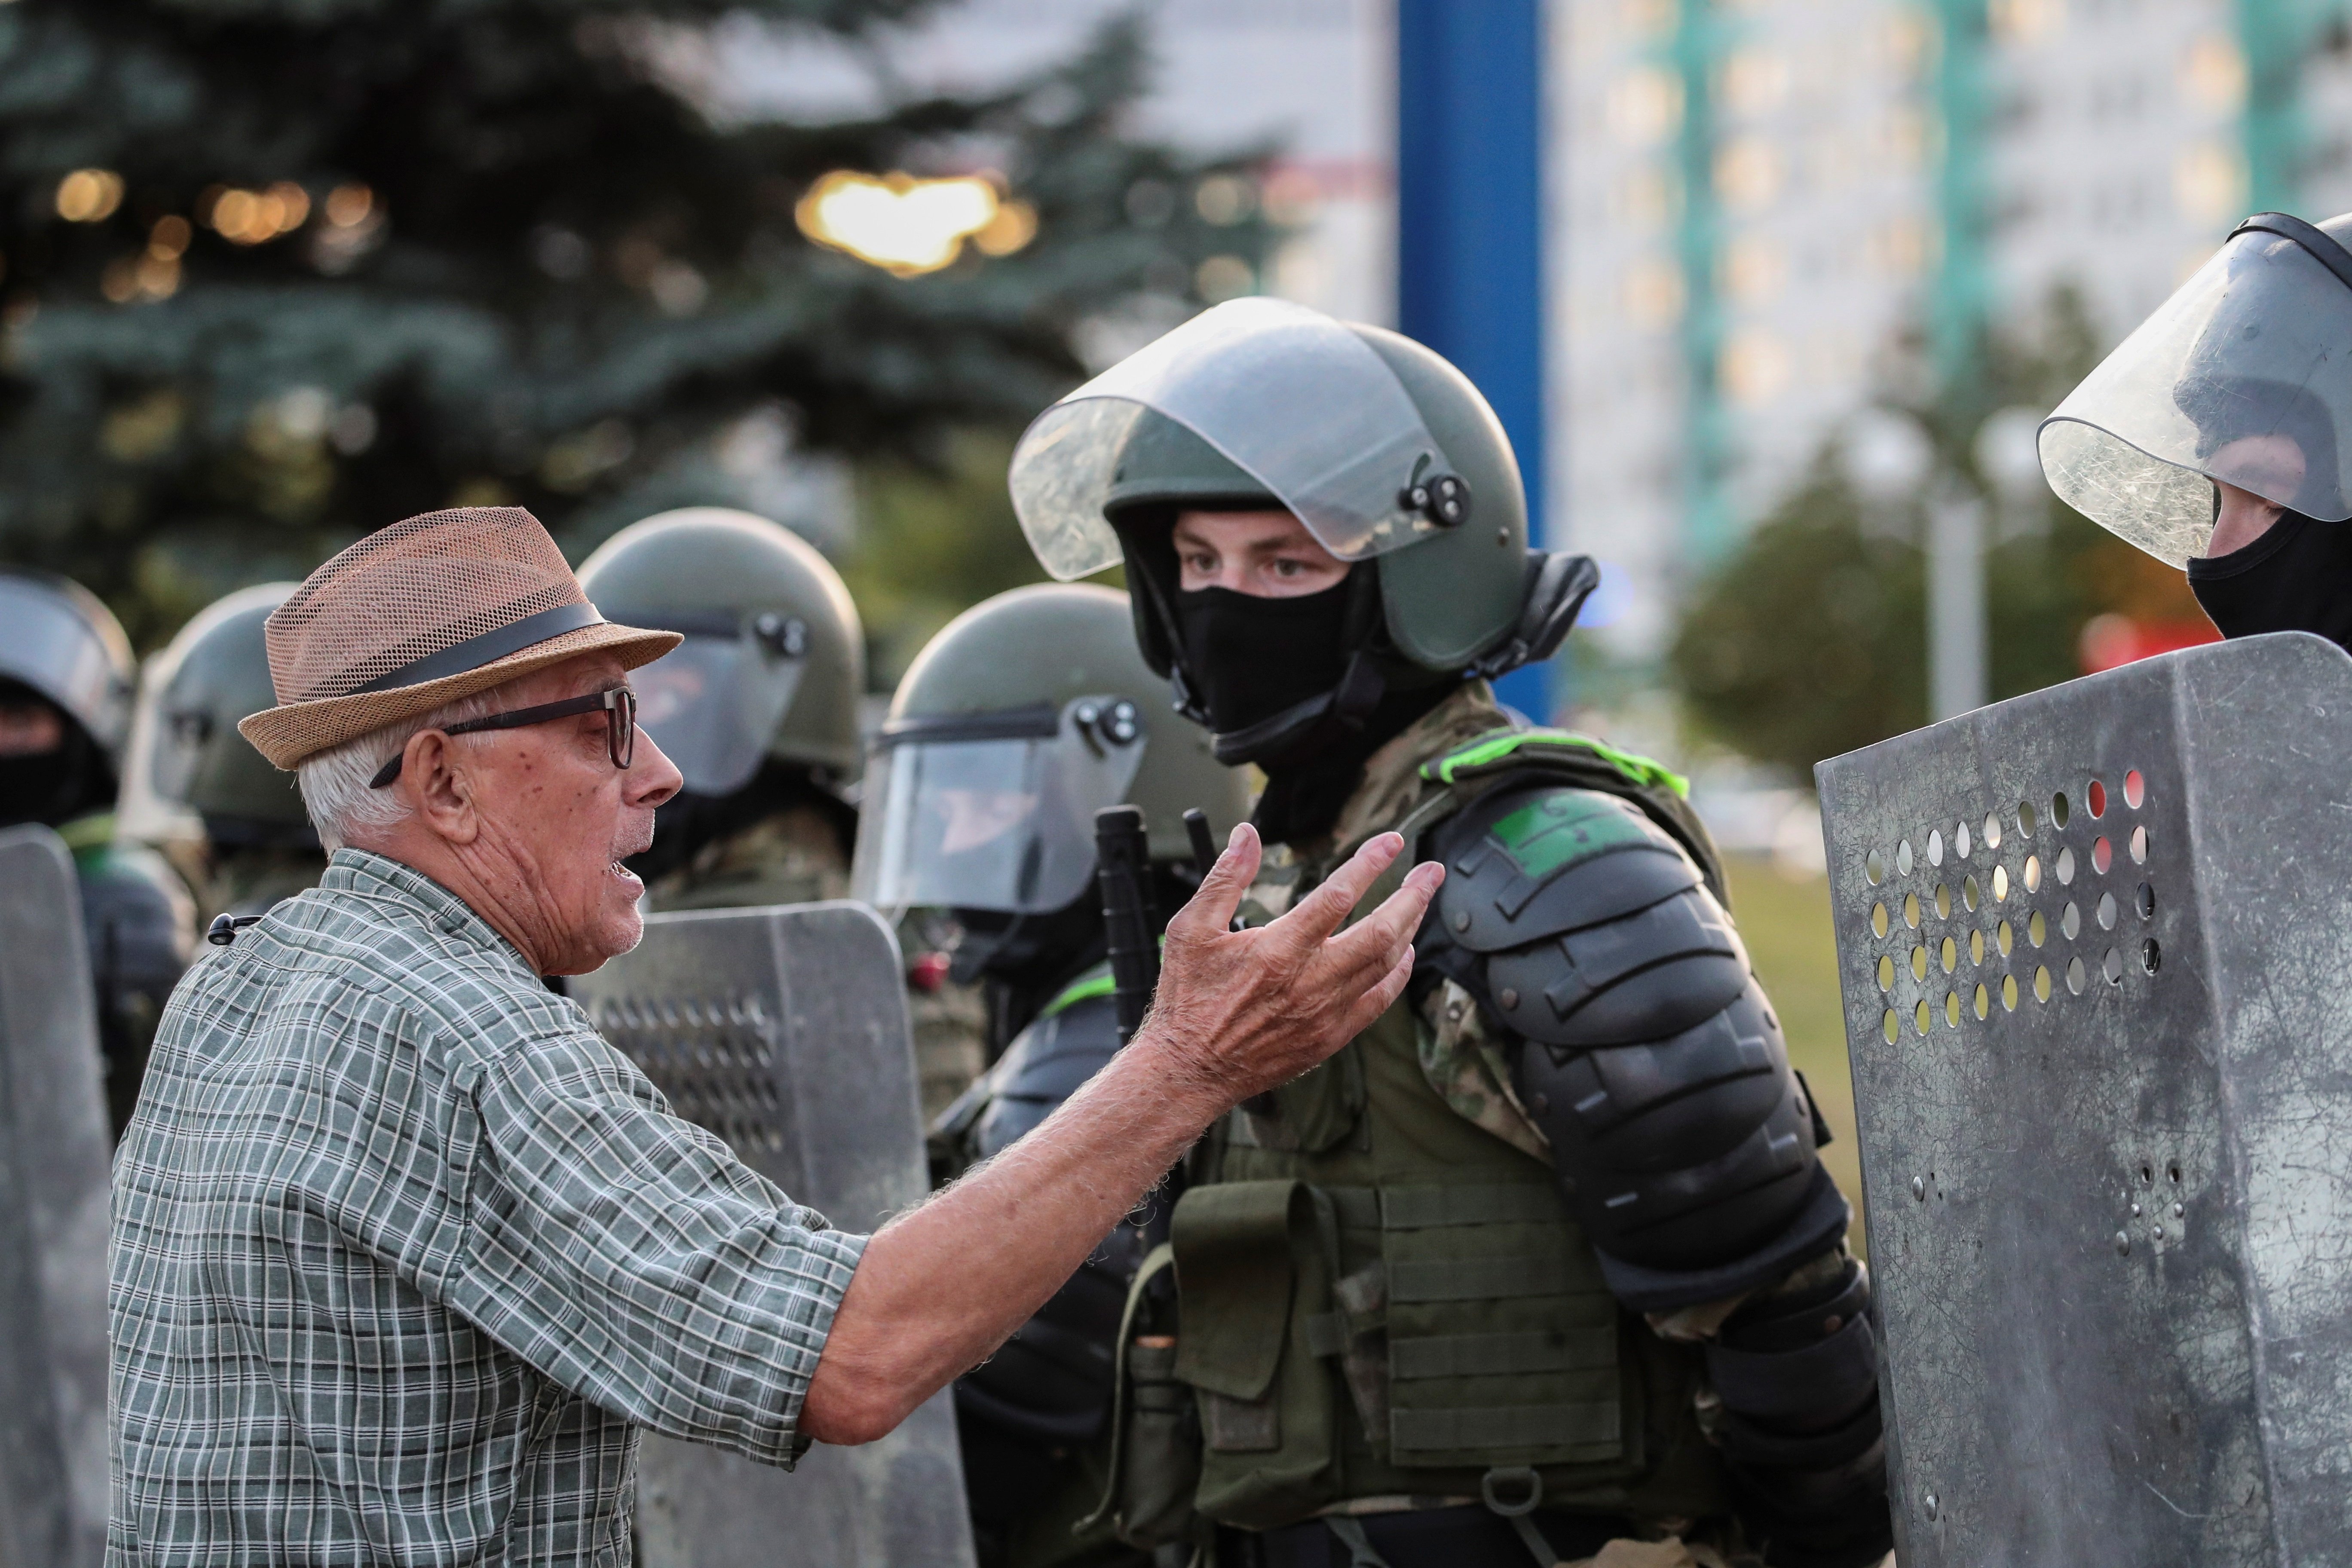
{"x": 2297, "y": 577}
{"x": 54, "y": 787}
{"x": 1250, "y": 660}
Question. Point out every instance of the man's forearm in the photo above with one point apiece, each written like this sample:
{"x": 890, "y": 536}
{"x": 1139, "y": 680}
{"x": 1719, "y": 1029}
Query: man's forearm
{"x": 941, "y": 1286}
{"x": 1236, "y": 1011}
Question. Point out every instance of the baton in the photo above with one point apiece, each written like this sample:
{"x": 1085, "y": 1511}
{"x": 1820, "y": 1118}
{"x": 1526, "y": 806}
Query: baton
{"x": 1123, "y": 869}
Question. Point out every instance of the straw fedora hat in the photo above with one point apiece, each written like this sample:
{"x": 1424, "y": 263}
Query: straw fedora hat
{"x": 421, "y": 614}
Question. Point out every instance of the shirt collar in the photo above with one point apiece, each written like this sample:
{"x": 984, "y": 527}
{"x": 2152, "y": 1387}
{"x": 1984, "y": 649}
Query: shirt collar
{"x": 375, "y": 876}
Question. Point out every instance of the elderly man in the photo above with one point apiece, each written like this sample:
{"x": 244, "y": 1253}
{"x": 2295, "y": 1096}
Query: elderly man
{"x": 405, "y": 1254}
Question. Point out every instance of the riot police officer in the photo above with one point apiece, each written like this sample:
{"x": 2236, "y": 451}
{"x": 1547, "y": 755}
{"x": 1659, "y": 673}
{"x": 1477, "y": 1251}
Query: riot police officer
{"x": 2213, "y": 437}
{"x": 1020, "y": 719}
{"x": 195, "y": 789}
{"x": 65, "y": 702}
{"x": 759, "y": 709}
{"x": 1544, "y": 1259}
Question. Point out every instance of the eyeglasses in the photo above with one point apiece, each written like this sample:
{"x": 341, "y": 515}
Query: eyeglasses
{"x": 619, "y": 704}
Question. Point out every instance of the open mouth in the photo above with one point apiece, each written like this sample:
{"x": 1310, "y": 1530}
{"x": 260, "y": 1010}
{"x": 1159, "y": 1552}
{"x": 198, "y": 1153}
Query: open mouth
{"x": 624, "y": 873}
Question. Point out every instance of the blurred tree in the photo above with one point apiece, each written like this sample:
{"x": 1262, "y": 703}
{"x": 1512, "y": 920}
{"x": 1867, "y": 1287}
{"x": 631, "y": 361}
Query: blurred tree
{"x": 1810, "y": 639}
{"x": 280, "y": 271}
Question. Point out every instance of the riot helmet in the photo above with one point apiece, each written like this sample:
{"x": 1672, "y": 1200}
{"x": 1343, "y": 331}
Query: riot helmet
{"x": 65, "y": 698}
{"x": 773, "y": 660}
{"x": 1025, "y": 716}
{"x": 1387, "y": 454}
{"x": 189, "y": 775}
{"x": 2242, "y": 377}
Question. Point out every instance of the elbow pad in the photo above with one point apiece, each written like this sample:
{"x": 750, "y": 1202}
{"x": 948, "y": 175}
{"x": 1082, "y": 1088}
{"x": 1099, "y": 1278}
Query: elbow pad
{"x": 1650, "y": 1056}
{"x": 1802, "y": 1436}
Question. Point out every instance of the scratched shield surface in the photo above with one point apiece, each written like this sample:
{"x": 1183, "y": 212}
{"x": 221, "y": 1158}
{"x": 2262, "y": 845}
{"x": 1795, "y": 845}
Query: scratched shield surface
{"x": 784, "y": 1031}
{"x": 2091, "y": 943}
{"x": 54, "y": 1147}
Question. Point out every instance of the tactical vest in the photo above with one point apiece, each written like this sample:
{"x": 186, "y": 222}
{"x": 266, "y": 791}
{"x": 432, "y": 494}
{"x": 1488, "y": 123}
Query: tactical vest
{"x": 1379, "y": 1299}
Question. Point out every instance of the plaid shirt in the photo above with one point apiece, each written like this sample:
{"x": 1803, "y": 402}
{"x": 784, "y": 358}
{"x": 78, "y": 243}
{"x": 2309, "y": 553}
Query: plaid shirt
{"x": 404, "y": 1255}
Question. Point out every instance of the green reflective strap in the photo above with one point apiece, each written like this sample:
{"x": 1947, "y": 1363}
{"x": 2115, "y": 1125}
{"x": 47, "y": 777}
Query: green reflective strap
{"x": 1419, "y": 1208}
{"x": 1517, "y": 1426}
{"x": 87, "y": 838}
{"x": 1637, "y": 769}
{"x": 1500, "y": 1356}
{"x": 1498, "y": 1278}
{"x": 1096, "y": 981}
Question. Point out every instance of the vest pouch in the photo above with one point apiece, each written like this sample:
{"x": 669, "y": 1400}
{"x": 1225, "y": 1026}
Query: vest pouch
{"x": 1155, "y": 1448}
{"x": 1254, "y": 1273}
{"x": 1159, "y": 1462}
{"x": 1502, "y": 1334}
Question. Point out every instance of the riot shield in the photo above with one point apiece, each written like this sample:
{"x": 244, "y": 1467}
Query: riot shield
{"x": 784, "y": 1031}
{"x": 2091, "y": 946}
{"x": 54, "y": 1155}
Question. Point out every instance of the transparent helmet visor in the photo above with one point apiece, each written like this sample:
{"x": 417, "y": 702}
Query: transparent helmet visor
{"x": 1290, "y": 395}
{"x": 2244, "y": 376}
{"x": 713, "y": 703}
{"x": 992, "y": 811}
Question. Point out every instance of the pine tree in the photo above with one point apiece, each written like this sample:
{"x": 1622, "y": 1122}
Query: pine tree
{"x": 280, "y": 271}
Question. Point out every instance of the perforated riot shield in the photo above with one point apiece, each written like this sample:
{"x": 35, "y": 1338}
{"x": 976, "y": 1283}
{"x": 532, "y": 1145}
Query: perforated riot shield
{"x": 2091, "y": 945}
{"x": 54, "y": 1155}
{"x": 784, "y": 1031}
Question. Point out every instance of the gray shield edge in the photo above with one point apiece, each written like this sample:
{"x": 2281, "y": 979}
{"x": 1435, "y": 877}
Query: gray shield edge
{"x": 55, "y": 1153}
{"x": 2063, "y": 1383}
{"x": 784, "y": 1030}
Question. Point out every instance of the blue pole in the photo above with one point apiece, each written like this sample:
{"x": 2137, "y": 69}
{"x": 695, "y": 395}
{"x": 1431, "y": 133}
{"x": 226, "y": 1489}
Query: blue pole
{"x": 1470, "y": 205}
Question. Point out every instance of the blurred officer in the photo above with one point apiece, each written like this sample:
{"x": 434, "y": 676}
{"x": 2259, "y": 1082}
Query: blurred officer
{"x": 759, "y": 709}
{"x": 1020, "y": 719}
{"x": 1544, "y": 1259}
{"x": 2213, "y": 437}
{"x": 193, "y": 788}
{"x": 65, "y": 702}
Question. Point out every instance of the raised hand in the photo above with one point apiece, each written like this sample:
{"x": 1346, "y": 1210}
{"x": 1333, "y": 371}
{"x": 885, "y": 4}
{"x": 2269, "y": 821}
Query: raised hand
{"x": 1241, "y": 1012}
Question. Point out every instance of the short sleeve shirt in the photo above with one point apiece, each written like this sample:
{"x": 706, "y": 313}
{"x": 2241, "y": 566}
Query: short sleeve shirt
{"x": 404, "y": 1255}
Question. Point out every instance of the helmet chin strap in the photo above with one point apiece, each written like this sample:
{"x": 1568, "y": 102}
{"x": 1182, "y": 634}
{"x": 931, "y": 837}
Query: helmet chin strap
{"x": 1345, "y": 708}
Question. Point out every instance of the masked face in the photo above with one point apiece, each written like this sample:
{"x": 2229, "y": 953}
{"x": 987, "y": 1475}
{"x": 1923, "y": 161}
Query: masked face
{"x": 2296, "y": 576}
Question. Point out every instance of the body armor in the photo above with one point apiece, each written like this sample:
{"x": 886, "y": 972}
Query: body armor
{"x": 1035, "y": 1413}
{"x": 1398, "y": 1288}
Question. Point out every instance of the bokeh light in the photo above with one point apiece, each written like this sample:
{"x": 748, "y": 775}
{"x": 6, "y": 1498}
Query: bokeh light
{"x": 256, "y": 218}
{"x": 89, "y": 195}
{"x": 908, "y": 226}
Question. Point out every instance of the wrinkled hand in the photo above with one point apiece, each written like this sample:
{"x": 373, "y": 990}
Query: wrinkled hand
{"x": 1238, "y": 1013}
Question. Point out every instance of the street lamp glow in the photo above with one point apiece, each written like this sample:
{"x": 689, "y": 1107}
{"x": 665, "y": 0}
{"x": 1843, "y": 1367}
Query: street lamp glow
{"x": 906, "y": 226}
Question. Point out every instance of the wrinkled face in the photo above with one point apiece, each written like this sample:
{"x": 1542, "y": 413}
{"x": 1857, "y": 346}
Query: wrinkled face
{"x": 1265, "y": 554}
{"x": 554, "y": 808}
{"x": 30, "y": 729}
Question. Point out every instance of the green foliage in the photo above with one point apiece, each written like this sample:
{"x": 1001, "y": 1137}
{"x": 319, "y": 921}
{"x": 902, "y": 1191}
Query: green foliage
{"x": 1810, "y": 639}
{"x": 930, "y": 543}
{"x": 529, "y": 269}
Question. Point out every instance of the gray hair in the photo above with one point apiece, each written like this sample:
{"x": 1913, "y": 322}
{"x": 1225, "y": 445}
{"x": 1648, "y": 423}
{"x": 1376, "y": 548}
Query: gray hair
{"x": 335, "y": 781}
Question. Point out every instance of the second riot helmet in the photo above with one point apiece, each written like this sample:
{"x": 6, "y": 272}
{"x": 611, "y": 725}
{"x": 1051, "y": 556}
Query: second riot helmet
{"x": 773, "y": 660}
{"x": 189, "y": 774}
{"x": 1025, "y": 716}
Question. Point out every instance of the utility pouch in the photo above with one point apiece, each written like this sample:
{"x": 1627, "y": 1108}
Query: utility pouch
{"x": 1252, "y": 1264}
{"x": 1155, "y": 1454}
{"x": 1160, "y": 1465}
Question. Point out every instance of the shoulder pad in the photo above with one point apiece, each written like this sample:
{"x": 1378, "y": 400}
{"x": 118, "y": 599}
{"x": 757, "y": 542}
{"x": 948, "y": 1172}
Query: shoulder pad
{"x": 1534, "y": 862}
{"x": 139, "y": 918}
